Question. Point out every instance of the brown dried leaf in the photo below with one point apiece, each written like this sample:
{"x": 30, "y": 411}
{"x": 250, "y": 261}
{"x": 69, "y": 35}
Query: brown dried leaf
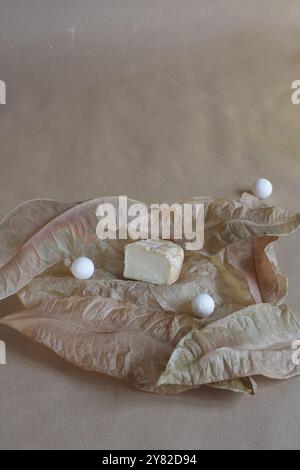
{"x": 73, "y": 233}
{"x": 24, "y": 221}
{"x": 107, "y": 336}
{"x": 68, "y": 234}
{"x": 228, "y": 221}
{"x": 245, "y": 385}
{"x": 237, "y": 267}
{"x": 255, "y": 259}
{"x": 235, "y": 279}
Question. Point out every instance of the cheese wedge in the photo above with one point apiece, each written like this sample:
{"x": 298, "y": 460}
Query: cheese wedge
{"x": 155, "y": 261}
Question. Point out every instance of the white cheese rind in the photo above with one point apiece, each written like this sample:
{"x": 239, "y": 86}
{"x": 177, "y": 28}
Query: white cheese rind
{"x": 155, "y": 261}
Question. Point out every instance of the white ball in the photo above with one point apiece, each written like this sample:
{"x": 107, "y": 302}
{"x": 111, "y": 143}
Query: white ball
{"x": 203, "y": 305}
{"x": 82, "y": 268}
{"x": 262, "y": 188}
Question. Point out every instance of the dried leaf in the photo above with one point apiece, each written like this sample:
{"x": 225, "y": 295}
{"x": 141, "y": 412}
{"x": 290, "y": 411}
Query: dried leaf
{"x": 251, "y": 201}
{"x": 107, "y": 336}
{"x": 230, "y": 277}
{"x": 255, "y": 259}
{"x": 69, "y": 234}
{"x": 73, "y": 233}
{"x": 199, "y": 273}
{"x": 254, "y": 341}
{"x": 227, "y": 222}
{"x": 130, "y": 331}
{"x": 245, "y": 385}
{"x": 24, "y": 221}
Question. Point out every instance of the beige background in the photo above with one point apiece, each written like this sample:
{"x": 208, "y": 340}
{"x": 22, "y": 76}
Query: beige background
{"x": 160, "y": 100}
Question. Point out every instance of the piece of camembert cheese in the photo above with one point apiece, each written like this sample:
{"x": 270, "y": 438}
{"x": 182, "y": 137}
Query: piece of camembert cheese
{"x": 155, "y": 261}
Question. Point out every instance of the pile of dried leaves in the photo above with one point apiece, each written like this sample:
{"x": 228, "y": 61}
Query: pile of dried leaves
{"x": 148, "y": 333}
